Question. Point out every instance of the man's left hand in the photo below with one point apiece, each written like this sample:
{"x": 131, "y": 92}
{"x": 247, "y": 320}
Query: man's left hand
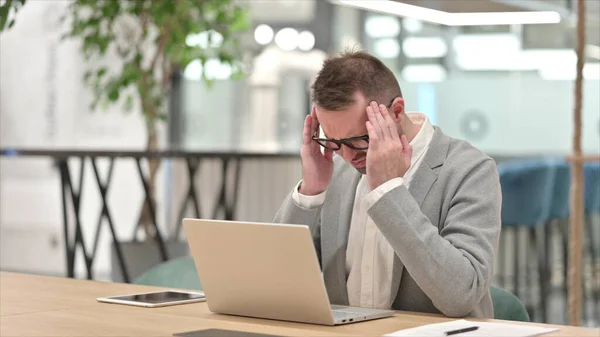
{"x": 389, "y": 152}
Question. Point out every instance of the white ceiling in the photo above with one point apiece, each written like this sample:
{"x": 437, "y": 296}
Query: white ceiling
{"x": 536, "y": 36}
{"x": 465, "y": 6}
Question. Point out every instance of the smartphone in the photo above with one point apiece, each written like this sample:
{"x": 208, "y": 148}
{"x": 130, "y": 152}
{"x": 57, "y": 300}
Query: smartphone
{"x": 155, "y": 299}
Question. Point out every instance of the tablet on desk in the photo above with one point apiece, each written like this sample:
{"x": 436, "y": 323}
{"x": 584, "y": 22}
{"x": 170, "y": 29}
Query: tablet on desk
{"x": 155, "y": 299}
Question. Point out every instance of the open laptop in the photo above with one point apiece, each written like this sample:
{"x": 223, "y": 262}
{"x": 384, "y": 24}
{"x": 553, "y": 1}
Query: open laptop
{"x": 266, "y": 271}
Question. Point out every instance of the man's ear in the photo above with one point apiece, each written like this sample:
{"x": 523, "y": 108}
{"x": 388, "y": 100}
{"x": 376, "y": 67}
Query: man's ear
{"x": 397, "y": 108}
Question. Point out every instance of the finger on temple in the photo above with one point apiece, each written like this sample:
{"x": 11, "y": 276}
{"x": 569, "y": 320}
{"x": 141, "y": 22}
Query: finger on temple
{"x": 405, "y": 143}
{"x": 384, "y": 110}
{"x": 315, "y": 124}
{"x": 306, "y": 134}
{"x": 375, "y": 107}
{"x": 382, "y": 122}
{"x": 372, "y": 114}
{"x": 328, "y": 154}
{"x": 371, "y": 131}
{"x": 391, "y": 125}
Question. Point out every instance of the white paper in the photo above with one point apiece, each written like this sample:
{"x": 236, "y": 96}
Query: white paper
{"x": 484, "y": 329}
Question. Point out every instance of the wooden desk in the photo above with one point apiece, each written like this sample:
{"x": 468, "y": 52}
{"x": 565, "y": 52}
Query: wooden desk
{"x": 46, "y": 306}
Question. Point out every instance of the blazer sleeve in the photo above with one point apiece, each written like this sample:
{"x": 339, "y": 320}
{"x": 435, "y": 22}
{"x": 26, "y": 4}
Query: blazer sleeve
{"x": 454, "y": 265}
{"x": 292, "y": 213}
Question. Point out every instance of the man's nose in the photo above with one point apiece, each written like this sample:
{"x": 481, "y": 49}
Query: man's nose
{"x": 347, "y": 153}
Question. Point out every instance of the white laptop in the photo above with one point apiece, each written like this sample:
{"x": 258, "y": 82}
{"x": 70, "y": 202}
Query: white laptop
{"x": 266, "y": 271}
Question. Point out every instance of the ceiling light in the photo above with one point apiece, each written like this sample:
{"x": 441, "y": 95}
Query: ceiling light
{"x": 534, "y": 59}
{"x": 428, "y": 73}
{"x": 486, "y": 43}
{"x": 306, "y": 40}
{"x": 487, "y": 52}
{"x": 378, "y": 26}
{"x": 263, "y": 34}
{"x": 412, "y": 25}
{"x": 591, "y": 71}
{"x": 454, "y": 19}
{"x": 502, "y": 18}
{"x": 592, "y": 51}
{"x": 387, "y": 48}
{"x": 193, "y": 71}
{"x": 424, "y": 47}
{"x": 214, "y": 69}
{"x": 287, "y": 39}
{"x": 204, "y": 40}
{"x": 217, "y": 70}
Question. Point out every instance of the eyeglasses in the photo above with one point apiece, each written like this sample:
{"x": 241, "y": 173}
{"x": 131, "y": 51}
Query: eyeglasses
{"x": 355, "y": 143}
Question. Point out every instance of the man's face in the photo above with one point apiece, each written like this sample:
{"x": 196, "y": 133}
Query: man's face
{"x": 345, "y": 124}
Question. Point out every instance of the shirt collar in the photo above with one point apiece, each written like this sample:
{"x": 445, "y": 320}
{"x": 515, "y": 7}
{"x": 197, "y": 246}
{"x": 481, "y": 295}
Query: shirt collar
{"x": 423, "y": 137}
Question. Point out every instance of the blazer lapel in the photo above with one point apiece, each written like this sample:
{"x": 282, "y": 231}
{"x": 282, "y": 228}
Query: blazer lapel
{"x": 422, "y": 181}
{"x": 426, "y": 175}
{"x": 335, "y": 233}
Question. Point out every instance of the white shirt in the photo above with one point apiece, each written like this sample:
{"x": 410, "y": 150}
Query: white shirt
{"x": 369, "y": 257}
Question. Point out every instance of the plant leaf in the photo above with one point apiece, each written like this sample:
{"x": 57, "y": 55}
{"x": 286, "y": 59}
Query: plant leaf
{"x": 129, "y": 103}
{"x": 101, "y": 72}
{"x": 105, "y": 104}
{"x": 135, "y": 24}
{"x": 87, "y": 75}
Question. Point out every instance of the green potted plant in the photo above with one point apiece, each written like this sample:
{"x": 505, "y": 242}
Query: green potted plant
{"x": 152, "y": 39}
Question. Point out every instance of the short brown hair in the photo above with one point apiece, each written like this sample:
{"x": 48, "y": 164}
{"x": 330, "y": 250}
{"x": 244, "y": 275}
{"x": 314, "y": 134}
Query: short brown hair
{"x": 342, "y": 76}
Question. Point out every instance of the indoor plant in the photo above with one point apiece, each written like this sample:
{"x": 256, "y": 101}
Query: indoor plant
{"x": 152, "y": 40}
{"x": 136, "y": 46}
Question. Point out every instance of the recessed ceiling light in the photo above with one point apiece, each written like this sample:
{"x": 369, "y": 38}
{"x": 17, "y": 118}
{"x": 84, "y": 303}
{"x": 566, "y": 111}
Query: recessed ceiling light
{"x": 263, "y": 34}
{"x": 287, "y": 39}
{"x": 455, "y": 19}
{"x": 306, "y": 40}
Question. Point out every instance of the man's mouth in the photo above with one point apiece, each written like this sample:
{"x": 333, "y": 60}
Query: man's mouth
{"x": 359, "y": 162}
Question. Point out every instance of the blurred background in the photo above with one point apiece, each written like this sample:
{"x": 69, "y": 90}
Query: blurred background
{"x": 497, "y": 73}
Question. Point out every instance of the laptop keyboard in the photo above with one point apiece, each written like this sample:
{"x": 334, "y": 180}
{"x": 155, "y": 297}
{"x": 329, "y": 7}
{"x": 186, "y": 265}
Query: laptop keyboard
{"x": 345, "y": 314}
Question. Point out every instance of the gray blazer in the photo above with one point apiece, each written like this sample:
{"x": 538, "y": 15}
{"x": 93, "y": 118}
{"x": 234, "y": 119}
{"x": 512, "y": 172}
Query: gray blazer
{"x": 444, "y": 229}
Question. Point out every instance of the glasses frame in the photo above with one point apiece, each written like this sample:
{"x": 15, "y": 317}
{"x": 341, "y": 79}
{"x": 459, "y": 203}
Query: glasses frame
{"x": 346, "y": 141}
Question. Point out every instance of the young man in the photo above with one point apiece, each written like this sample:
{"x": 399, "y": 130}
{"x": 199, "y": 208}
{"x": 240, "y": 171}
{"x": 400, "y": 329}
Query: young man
{"x": 404, "y": 216}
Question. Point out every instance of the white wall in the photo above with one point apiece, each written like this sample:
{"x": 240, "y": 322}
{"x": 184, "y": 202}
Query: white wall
{"x": 39, "y": 99}
{"x": 527, "y": 115}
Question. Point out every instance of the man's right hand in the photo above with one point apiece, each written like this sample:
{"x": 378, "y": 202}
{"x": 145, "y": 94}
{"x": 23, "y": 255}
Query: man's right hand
{"x": 317, "y": 167}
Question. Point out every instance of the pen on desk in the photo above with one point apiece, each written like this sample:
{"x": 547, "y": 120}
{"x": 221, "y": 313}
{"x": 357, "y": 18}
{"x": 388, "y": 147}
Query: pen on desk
{"x": 454, "y": 332}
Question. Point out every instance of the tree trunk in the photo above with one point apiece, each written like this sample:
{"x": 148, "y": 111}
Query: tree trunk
{"x": 145, "y": 216}
{"x": 577, "y": 188}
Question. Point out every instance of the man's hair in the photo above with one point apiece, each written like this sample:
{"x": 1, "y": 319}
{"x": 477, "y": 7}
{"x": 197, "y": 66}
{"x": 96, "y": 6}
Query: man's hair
{"x": 350, "y": 72}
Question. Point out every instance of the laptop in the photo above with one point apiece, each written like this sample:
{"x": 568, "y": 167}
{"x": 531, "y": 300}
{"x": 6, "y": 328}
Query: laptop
{"x": 265, "y": 270}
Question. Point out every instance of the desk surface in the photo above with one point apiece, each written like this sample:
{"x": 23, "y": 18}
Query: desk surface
{"x": 46, "y": 306}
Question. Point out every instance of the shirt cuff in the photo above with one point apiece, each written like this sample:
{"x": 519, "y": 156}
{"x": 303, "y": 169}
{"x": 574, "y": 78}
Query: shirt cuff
{"x": 380, "y": 191}
{"x": 307, "y": 201}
